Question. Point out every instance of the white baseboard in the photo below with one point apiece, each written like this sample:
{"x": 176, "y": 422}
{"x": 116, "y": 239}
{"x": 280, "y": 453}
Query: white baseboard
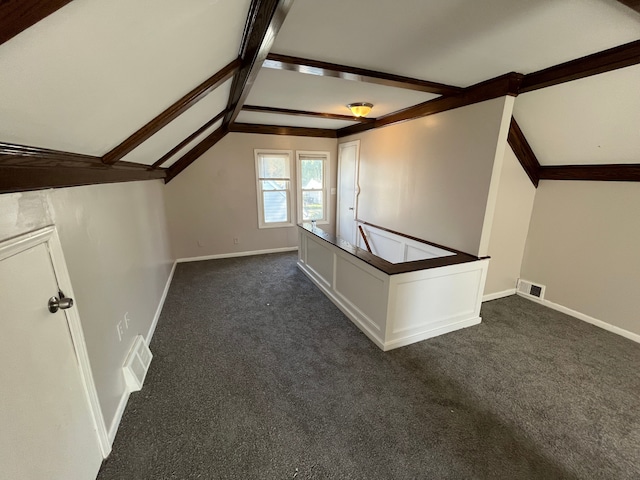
{"x": 124, "y": 399}
{"x": 586, "y": 318}
{"x": 593, "y": 321}
{"x": 424, "y": 335}
{"x": 496, "y": 295}
{"x": 156, "y": 317}
{"x": 236, "y": 254}
{"x": 115, "y": 423}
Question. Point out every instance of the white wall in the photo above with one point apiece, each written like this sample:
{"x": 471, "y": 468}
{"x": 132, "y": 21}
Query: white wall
{"x": 115, "y": 242}
{"x": 514, "y": 204}
{"x": 215, "y": 200}
{"x": 583, "y": 244}
{"x": 436, "y": 177}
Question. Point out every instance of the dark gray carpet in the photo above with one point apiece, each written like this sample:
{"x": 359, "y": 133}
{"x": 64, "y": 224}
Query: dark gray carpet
{"x": 256, "y": 375}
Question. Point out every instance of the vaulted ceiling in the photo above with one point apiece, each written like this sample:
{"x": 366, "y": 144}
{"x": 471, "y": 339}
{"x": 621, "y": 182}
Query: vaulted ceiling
{"x": 94, "y": 91}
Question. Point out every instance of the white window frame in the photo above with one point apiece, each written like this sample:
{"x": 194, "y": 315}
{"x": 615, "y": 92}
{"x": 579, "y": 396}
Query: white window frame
{"x": 325, "y": 156}
{"x": 289, "y": 191}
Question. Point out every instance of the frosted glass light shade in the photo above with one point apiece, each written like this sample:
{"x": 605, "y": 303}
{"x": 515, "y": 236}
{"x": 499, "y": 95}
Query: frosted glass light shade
{"x": 360, "y": 109}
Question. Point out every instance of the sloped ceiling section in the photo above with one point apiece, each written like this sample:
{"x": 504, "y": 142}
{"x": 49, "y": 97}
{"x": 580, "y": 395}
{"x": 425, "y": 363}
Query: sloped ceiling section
{"x": 96, "y": 83}
{"x": 87, "y": 76}
{"x": 599, "y": 118}
{"x": 147, "y": 87}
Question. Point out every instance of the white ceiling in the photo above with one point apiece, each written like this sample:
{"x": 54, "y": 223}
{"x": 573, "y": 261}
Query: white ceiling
{"x": 299, "y": 91}
{"x": 289, "y": 120}
{"x": 178, "y": 155}
{"x": 595, "y": 120}
{"x": 88, "y": 76}
{"x": 180, "y": 128}
{"x": 458, "y": 42}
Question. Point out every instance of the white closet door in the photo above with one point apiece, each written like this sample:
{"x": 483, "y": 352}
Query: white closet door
{"x": 46, "y": 426}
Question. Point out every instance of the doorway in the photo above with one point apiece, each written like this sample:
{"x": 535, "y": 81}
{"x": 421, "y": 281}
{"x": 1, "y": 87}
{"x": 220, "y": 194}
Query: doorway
{"x": 348, "y": 190}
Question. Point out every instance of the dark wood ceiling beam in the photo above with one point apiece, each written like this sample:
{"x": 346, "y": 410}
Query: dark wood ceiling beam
{"x": 503, "y": 85}
{"x": 282, "y": 130}
{"x": 188, "y": 140}
{"x": 524, "y": 152}
{"x": 633, "y": 4}
{"x": 601, "y": 62}
{"x": 24, "y": 154}
{"x": 22, "y": 178}
{"x": 610, "y": 173}
{"x": 263, "y": 24}
{"x": 325, "y": 69}
{"x": 304, "y": 113}
{"x": 193, "y": 154}
{"x": 171, "y": 113}
{"x": 31, "y": 168}
{"x": 18, "y": 15}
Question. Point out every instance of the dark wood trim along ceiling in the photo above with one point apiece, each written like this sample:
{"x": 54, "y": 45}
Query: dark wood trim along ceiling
{"x": 304, "y": 113}
{"x": 18, "y": 15}
{"x": 188, "y": 140}
{"x": 611, "y": 173}
{"x": 507, "y": 84}
{"x": 12, "y": 154}
{"x": 171, "y": 113}
{"x": 523, "y": 152}
{"x": 19, "y": 179}
{"x": 193, "y": 154}
{"x": 633, "y": 4}
{"x": 601, "y": 62}
{"x": 31, "y": 168}
{"x": 325, "y": 69}
{"x": 282, "y": 130}
{"x": 263, "y": 24}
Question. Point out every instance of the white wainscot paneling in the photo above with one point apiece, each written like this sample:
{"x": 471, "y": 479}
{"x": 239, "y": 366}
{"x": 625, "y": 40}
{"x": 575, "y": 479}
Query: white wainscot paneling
{"x": 394, "y": 310}
{"x": 384, "y": 246}
{"x": 432, "y": 302}
{"x": 320, "y": 259}
{"x": 362, "y": 290}
{"x": 396, "y": 248}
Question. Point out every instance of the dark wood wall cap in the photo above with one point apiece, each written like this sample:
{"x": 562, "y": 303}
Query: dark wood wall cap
{"x": 382, "y": 264}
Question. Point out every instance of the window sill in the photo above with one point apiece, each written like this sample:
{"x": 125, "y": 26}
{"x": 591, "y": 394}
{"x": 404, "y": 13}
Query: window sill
{"x": 278, "y": 225}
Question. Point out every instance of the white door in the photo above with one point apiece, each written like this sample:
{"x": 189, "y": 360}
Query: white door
{"x": 348, "y": 190}
{"x": 46, "y": 427}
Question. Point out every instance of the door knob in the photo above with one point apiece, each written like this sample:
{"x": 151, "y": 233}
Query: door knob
{"x": 61, "y": 303}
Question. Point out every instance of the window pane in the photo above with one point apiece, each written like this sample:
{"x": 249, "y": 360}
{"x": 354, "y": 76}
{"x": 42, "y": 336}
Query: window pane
{"x": 274, "y": 185}
{"x": 274, "y": 166}
{"x": 275, "y": 206}
{"x": 312, "y": 206}
{"x": 311, "y": 172}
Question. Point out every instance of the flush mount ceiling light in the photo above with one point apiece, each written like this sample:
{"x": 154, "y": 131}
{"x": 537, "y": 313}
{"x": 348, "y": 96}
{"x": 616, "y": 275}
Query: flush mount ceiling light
{"x": 360, "y": 109}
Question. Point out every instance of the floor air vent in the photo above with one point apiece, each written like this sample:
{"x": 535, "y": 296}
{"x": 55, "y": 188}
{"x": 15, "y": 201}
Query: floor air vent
{"x": 530, "y": 289}
{"x": 137, "y": 364}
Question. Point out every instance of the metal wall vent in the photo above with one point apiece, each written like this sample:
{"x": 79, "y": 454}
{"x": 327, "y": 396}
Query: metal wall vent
{"x": 530, "y": 289}
{"x": 137, "y": 364}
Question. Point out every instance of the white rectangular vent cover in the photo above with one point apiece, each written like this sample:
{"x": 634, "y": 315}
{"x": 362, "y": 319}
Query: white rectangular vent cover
{"x": 530, "y": 289}
{"x": 137, "y": 364}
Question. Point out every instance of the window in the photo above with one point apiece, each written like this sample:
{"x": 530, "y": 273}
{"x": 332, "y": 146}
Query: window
{"x": 313, "y": 178}
{"x": 273, "y": 175}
